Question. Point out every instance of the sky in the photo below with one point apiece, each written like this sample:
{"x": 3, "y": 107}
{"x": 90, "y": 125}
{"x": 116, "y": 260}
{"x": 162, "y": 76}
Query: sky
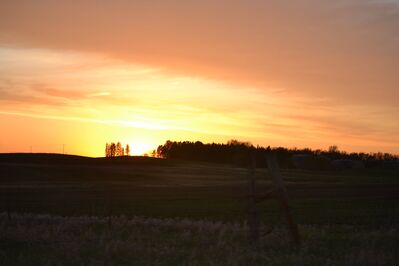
{"x": 77, "y": 74}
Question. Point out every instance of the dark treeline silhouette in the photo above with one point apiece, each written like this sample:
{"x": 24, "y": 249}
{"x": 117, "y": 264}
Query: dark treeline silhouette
{"x": 115, "y": 150}
{"x": 239, "y": 153}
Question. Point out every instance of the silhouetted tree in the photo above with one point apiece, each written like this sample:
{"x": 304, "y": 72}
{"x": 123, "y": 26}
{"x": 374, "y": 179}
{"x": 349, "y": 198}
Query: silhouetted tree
{"x": 118, "y": 151}
{"x": 107, "y": 150}
{"x": 112, "y": 149}
{"x": 237, "y": 153}
{"x": 333, "y": 149}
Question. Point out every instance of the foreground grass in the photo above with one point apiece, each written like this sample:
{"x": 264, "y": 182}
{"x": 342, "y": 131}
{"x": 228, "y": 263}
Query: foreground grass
{"x": 32, "y": 239}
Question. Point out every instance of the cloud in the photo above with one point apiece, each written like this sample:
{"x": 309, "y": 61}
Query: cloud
{"x": 11, "y": 96}
{"x": 57, "y": 93}
{"x": 69, "y": 94}
{"x": 342, "y": 50}
{"x": 302, "y": 70}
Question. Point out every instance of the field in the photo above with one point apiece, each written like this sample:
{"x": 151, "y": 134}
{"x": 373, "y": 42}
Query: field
{"x": 53, "y": 240}
{"x": 151, "y": 211}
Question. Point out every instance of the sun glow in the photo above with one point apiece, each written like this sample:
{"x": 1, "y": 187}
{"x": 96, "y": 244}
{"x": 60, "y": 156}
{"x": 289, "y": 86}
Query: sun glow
{"x": 139, "y": 148}
{"x": 82, "y": 101}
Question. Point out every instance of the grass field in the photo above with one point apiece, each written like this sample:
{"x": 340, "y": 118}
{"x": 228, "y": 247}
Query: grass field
{"x": 53, "y": 240}
{"x": 345, "y": 214}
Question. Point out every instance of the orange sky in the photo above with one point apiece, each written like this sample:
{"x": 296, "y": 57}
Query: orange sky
{"x": 281, "y": 73}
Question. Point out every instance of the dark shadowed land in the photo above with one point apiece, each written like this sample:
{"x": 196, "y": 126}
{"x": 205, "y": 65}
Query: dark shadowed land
{"x": 337, "y": 211}
{"x": 74, "y": 185}
{"x": 62, "y": 159}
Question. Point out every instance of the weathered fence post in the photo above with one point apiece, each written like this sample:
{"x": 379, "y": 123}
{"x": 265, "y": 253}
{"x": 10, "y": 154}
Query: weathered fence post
{"x": 253, "y": 213}
{"x": 283, "y": 196}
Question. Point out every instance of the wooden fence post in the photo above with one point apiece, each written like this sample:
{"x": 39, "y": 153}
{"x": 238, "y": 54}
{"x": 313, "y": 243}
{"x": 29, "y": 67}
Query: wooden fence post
{"x": 283, "y": 196}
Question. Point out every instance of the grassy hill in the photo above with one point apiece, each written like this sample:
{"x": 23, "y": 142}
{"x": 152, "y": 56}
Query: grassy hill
{"x": 147, "y": 211}
{"x": 62, "y": 159}
{"x": 75, "y": 185}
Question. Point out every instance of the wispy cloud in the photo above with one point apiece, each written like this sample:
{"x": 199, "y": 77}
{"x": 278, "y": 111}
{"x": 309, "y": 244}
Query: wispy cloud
{"x": 344, "y": 50}
{"x": 285, "y": 72}
{"x": 135, "y": 124}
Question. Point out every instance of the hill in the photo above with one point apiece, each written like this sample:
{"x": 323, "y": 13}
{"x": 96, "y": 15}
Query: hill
{"x": 54, "y": 158}
{"x": 75, "y": 185}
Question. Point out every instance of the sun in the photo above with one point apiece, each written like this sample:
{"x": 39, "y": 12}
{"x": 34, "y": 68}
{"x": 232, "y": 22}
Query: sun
{"x": 140, "y": 148}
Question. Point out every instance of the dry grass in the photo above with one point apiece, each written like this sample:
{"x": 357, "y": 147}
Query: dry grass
{"x": 32, "y": 239}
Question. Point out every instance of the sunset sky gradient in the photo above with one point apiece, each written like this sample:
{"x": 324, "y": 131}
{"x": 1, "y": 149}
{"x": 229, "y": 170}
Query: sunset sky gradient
{"x": 281, "y": 73}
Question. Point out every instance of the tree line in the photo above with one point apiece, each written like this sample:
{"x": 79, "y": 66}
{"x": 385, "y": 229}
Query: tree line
{"x": 115, "y": 150}
{"x": 239, "y": 153}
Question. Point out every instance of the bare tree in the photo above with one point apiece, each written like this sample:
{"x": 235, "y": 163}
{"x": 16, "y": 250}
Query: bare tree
{"x": 107, "y": 150}
{"x": 112, "y": 150}
{"x": 333, "y": 149}
{"x": 118, "y": 151}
